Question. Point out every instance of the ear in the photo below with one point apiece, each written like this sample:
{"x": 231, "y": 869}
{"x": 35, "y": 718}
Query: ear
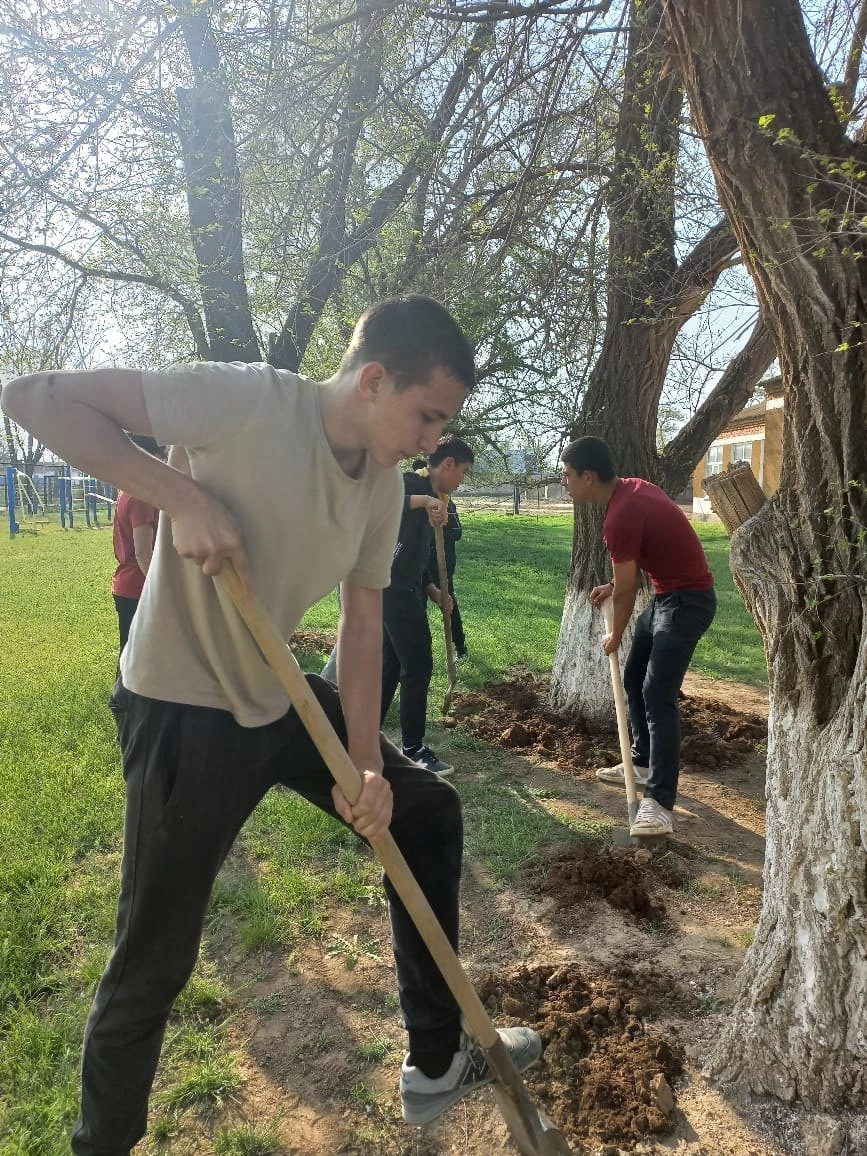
{"x": 371, "y": 380}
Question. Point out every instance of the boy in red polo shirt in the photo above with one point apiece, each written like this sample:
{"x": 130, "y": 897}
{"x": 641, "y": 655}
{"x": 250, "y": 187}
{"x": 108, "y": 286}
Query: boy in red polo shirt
{"x": 645, "y": 530}
{"x": 134, "y": 533}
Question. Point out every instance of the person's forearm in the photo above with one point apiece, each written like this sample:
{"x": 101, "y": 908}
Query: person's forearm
{"x": 359, "y": 678}
{"x": 144, "y": 562}
{"x": 143, "y": 545}
{"x": 622, "y": 604}
{"x": 94, "y": 442}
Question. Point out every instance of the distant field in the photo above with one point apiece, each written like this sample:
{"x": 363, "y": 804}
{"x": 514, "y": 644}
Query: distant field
{"x": 510, "y": 583}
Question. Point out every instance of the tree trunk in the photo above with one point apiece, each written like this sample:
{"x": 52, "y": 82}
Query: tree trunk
{"x": 213, "y": 183}
{"x": 650, "y": 298}
{"x": 794, "y": 190}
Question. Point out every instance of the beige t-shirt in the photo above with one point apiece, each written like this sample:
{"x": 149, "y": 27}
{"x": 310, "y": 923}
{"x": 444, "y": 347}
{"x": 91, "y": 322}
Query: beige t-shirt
{"x": 253, "y": 437}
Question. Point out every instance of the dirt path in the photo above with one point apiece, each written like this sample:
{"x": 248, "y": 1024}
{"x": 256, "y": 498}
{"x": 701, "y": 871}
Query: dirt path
{"x": 622, "y": 963}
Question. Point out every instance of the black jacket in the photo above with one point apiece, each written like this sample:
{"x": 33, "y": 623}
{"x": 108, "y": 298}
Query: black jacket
{"x": 452, "y": 531}
{"x": 409, "y": 566}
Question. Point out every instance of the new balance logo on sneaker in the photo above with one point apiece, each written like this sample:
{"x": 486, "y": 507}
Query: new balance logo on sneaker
{"x": 423, "y": 1099}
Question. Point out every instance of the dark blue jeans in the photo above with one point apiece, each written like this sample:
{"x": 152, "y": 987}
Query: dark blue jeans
{"x": 407, "y": 659}
{"x": 193, "y": 775}
{"x": 666, "y": 635}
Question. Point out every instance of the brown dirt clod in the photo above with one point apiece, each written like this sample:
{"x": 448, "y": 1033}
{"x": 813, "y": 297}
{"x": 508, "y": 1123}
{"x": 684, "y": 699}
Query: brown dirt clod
{"x": 605, "y": 1075}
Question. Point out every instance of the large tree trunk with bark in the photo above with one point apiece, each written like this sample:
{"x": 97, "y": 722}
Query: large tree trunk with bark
{"x": 207, "y": 138}
{"x": 650, "y": 297}
{"x": 794, "y": 189}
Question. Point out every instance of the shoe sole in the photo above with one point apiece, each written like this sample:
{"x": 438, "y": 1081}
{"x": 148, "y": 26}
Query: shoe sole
{"x": 445, "y": 774}
{"x": 620, "y": 780}
{"x": 651, "y": 832}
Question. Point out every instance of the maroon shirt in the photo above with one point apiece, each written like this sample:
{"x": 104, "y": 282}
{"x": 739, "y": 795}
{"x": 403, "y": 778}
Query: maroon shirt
{"x": 643, "y": 525}
{"x": 129, "y": 512}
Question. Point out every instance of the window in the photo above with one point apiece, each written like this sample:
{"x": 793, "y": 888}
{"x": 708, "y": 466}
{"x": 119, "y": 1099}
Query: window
{"x": 714, "y": 460}
{"x": 742, "y": 452}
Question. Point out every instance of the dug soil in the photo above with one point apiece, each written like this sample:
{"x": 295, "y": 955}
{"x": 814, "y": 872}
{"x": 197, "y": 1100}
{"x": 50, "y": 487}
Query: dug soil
{"x": 624, "y": 961}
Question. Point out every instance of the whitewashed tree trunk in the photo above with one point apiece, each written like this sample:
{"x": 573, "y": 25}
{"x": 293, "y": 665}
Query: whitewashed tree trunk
{"x": 581, "y": 672}
{"x": 650, "y": 297}
{"x": 794, "y": 188}
{"x": 799, "y": 1028}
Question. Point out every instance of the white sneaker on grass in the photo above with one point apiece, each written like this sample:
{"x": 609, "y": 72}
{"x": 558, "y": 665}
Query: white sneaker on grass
{"x": 617, "y": 775}
{"x": 652, "y": 819}
{"x": 423, "y": 1099}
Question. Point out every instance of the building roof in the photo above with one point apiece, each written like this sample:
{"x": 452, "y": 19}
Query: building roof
{"x": 751, "y": 419}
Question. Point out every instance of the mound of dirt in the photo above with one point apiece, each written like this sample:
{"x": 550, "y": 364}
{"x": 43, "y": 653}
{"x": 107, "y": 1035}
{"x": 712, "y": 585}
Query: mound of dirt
{"x": 313, "y": 641}
{"x": 513, "y": 714}
{"x": 626, "y": 880}
{"x": 605, "y": 1074}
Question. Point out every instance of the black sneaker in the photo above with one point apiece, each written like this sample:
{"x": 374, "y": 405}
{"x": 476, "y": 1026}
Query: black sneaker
{"x": 461, "y": 652}
{"x": 425, "y": 757}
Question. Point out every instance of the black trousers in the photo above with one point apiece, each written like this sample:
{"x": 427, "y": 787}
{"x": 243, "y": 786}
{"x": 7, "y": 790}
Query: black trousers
{"x": 459, "y": 638}
{"x": 407, "y": 660}
{"x": 193, "y": 775}
{"x": 666, "y": 635}
{"x": 126, "y": 608}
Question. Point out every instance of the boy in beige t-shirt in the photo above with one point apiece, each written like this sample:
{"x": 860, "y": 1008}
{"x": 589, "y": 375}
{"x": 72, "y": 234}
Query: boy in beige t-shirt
{"x": 295, "y": 482}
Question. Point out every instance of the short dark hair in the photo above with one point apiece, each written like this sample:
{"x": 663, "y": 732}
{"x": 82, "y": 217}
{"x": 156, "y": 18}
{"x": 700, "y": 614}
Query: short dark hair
{"x": 451, "y": 447}
{"x": 411, "y": 336}
{"x": 589, "y": 453}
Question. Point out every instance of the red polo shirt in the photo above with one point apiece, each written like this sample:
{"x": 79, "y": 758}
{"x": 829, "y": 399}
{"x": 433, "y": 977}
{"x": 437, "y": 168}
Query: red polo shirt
{"x": 643, "y": 525}
{"x": 129, "y": 512}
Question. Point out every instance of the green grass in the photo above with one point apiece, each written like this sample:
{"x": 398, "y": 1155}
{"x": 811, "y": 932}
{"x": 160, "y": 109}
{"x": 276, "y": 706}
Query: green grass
{"x": 61, "y": 802}
{"x": 510, "y": 583}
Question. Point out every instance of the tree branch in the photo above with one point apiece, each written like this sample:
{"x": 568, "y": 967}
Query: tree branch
{"x": 190, "y": 311}
{"x": 853, "y": 60}
{"x": 728, "y": 397}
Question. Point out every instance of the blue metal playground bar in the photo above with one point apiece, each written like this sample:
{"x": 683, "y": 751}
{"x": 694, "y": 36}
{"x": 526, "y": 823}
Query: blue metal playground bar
{"x": 64, "y": 492}
{"x": 10, "y": 501}
{"x": 18, "y": 500}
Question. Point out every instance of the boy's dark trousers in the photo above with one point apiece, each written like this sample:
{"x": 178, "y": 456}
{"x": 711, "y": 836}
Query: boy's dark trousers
{"x": 407, "y": 659}
{"x": 666, "y": 635}
{"x": 126, "y": 608}
{"x": 458, "y": 636}
{"x": 193, "y": 775}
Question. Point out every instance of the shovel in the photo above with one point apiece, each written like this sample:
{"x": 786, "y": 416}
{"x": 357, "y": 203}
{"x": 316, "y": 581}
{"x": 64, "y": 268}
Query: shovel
{"x": 622, "y": 726}
{"x": 447, "y": 614}
{"x": 533, "y": 1132}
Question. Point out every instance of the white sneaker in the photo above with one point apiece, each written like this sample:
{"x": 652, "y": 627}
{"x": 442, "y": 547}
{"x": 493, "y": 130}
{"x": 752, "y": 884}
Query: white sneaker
{"x": 423, "y": 1099}
{"x": 652, "y": 819}
{"x": 617, "y": 775}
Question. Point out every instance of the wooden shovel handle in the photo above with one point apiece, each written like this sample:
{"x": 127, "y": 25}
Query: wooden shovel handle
{"x": 531, "y": 1129}
{"x": 284, "y": 664}
{"x": 620, "y": 708}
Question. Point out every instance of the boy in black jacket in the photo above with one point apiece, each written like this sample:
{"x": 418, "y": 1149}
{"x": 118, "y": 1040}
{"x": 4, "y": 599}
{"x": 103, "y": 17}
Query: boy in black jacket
{"x": 407, "y": 655}
{"x": 407, "y": 658}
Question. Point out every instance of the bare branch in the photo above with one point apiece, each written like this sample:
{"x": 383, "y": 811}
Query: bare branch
{"x": 731, "y": 393}
{"x": 853, "y": 61}
{"x": 155, "y": 282}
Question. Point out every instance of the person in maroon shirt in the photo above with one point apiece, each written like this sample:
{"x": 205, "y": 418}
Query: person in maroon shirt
{"x": 134, "y": 532}
{"x": 645, "y": 530}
